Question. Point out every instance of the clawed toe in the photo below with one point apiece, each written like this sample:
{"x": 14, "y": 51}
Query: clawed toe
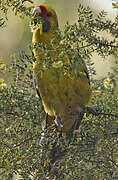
{"x": 58, "y": 122}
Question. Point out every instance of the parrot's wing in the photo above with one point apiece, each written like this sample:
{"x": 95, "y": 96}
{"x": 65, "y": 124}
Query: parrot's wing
{"x": 85, "y": 69}
{"x": 48, "y": 119}
{"x": 36, "y": 87}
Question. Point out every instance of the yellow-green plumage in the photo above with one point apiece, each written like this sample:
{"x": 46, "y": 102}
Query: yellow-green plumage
{"x": 63, "y": 94}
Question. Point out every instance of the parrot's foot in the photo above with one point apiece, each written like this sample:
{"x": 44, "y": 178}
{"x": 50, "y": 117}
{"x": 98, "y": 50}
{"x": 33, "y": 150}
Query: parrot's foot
{"x": 58, "y": 122}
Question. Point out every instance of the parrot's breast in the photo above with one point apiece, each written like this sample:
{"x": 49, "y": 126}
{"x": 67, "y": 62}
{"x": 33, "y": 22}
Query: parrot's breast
{"x": 62, "y": 92}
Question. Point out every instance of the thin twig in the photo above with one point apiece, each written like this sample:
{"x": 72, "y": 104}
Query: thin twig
{"x": 94, "y": 111}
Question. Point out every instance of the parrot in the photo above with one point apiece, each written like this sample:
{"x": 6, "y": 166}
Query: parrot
{"x": 63, "y": 94}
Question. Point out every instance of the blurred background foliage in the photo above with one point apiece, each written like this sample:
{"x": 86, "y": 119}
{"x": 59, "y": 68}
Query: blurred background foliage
{"x": 17, "y": 35}
{"x": 93, "y": 150}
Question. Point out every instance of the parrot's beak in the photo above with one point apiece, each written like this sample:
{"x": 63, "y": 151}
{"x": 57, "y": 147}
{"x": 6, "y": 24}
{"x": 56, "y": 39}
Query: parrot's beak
{"x": 39, "y": 22}
{"x": 37, "y": 11}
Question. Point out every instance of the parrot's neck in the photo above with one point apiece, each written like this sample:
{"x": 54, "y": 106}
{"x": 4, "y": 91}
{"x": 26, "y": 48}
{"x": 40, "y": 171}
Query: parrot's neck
{"x": 43, "y": 38}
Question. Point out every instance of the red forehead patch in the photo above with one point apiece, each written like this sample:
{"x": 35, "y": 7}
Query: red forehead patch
{"x": 43, "y": 8}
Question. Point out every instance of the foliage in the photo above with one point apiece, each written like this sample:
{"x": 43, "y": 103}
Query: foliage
{"x": 92, "y": 152}
{"x": 17, "y": 6}
{"x": 115, "y": 4}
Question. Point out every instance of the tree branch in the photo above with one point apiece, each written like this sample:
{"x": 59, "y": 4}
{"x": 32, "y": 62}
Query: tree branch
{"x": 94, "y": 111}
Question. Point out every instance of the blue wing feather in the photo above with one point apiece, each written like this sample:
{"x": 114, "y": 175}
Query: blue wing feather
{"x": 36, "y": 87}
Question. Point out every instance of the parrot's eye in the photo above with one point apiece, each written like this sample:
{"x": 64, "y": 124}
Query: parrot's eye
{"x": 49, "y": 14}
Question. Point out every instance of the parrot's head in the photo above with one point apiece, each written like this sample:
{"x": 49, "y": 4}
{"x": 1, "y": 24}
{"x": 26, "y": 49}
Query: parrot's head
{"x": 44, "y": 23}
